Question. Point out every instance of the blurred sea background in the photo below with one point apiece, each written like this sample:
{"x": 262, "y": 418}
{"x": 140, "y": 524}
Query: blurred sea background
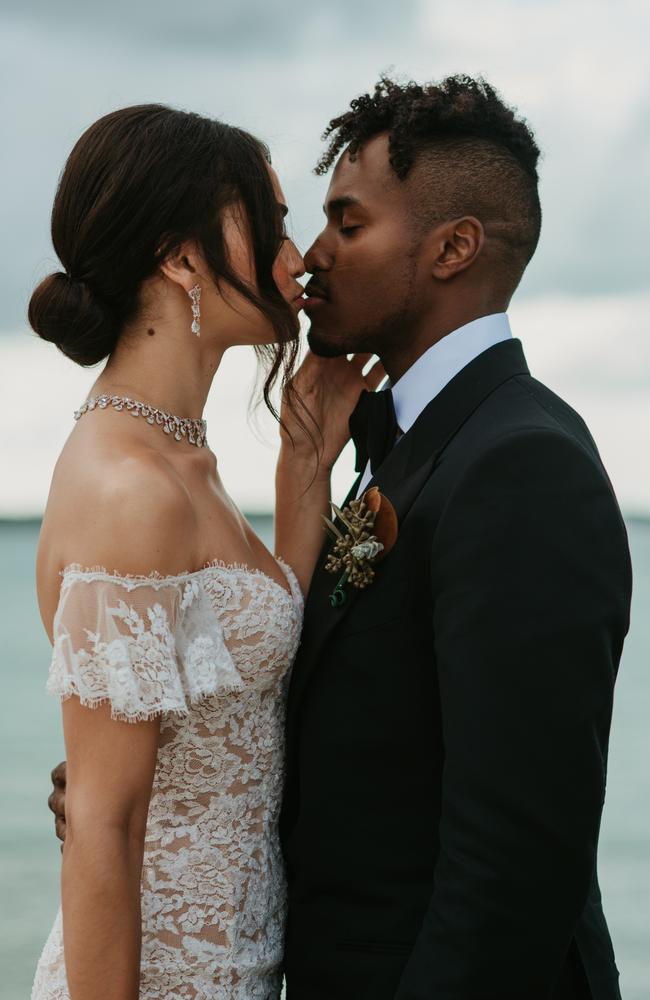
{"x": 577, "y": 71}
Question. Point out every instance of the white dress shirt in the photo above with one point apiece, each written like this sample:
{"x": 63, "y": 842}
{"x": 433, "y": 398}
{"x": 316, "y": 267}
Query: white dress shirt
{"x": 429, "y": 375}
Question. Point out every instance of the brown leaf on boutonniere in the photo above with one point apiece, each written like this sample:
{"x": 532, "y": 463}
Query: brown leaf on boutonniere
{"x": 369, "y": 532}
{"x": 385, "y": 526}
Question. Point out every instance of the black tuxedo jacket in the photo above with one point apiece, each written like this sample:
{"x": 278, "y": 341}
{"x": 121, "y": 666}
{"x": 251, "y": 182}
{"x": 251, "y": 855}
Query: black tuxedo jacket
{"x": 447, "y": 727}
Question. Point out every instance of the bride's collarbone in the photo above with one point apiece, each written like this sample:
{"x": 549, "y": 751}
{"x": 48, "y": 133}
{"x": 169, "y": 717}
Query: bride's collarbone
{"x": 206, "y": 527}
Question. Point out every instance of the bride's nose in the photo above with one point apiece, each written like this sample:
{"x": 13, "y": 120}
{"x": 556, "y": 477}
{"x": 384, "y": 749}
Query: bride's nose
{"x": 295, "y": 261}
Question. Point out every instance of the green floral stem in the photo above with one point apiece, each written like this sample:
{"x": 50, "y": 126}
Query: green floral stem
{"x": 338, "y": 595}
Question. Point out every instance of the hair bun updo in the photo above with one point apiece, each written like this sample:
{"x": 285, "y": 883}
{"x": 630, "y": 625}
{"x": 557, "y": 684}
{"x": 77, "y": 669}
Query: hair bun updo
{"x": 68, "y": 314}
{"x": 138, "y": 184}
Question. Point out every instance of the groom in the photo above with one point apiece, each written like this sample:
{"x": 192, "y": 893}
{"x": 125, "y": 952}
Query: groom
{"x": 448, "y": 725}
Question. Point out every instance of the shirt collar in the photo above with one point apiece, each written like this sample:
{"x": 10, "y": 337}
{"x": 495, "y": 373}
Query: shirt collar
{"x": 440, "y": 363}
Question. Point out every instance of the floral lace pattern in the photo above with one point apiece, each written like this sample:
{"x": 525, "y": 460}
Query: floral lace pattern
{"x": 210, "y": 651}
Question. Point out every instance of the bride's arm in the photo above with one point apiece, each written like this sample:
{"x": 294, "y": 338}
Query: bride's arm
{"x": 330, "y": 389}
{"x": 110, "y": 773}
{"x": 110, "y": 764}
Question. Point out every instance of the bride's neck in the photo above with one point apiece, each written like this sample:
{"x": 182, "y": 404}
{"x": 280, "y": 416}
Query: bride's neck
{"x": 169, "y": 368}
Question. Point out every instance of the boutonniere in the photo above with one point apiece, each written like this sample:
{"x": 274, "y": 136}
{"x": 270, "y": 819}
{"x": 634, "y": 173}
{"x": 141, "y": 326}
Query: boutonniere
{"x": 369, "y": 533}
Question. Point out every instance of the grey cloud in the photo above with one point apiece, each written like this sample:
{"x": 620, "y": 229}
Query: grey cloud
{"x": 597, "y": 214}
{"x": 248, "y": 25}
{"x": 63, "y": 73}
{"x": 283, "y": 72}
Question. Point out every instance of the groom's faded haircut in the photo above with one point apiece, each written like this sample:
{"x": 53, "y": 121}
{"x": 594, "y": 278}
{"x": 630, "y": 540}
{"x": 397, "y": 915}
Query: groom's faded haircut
{"x": 462, "y": 150}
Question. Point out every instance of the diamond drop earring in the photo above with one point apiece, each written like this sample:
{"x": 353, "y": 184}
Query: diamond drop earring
{"x": 195, "y": 295}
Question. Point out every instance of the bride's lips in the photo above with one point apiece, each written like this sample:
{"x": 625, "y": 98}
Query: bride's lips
{"x": 313, "y": 302}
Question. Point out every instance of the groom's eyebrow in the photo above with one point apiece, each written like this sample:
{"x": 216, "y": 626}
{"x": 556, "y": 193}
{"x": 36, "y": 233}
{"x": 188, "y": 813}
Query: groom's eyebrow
{"x": 338, "y": 204}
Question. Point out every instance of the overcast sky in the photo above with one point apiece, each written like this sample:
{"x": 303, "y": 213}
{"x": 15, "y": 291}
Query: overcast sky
{"x": 576, "y": 70}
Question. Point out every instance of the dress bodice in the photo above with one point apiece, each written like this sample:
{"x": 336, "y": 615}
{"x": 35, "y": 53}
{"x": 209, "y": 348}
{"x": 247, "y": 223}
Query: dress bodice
{"x": 209, "y": 652}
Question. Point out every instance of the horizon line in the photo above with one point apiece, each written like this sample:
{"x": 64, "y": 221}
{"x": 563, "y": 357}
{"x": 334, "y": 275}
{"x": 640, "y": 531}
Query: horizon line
{"x": 6, "y": 520}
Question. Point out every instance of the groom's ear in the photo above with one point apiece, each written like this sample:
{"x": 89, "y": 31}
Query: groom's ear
{"x": 455, "y": 246}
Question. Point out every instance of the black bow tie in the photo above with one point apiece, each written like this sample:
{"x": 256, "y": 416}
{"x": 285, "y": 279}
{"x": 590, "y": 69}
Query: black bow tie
{"x": 373, "y": 426}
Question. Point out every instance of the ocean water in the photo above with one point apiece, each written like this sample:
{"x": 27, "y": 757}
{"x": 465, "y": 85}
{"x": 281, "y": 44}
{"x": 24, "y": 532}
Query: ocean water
{"x": 31, "y": 744}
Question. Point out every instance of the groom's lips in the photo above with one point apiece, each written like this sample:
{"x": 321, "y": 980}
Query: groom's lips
{"x": 315, "y": 296}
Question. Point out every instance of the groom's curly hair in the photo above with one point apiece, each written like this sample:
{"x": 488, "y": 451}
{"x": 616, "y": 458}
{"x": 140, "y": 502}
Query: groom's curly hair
{"x": 466, "y": 151}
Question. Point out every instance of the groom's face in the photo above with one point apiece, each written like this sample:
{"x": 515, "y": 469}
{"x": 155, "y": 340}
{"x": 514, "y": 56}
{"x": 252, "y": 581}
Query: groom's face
{"x": 363, "y": 294}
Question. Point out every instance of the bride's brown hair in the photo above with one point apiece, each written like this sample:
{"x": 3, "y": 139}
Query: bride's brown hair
{"x": 137, "y": 184}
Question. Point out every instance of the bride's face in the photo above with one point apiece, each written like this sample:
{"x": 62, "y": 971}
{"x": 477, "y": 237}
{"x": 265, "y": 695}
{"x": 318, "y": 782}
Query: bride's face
{"x": 229, "y": 313}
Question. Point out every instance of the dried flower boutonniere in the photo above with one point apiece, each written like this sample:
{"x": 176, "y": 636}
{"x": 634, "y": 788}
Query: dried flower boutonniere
{"x": 370, "y": 531}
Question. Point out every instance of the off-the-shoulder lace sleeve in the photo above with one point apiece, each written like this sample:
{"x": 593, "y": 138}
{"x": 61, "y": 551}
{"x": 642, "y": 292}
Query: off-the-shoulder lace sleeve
{"x": 146, "y": 645}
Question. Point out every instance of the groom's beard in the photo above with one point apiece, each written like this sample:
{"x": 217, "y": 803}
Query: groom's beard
{"x": 324, "y": 348}
{"x": 367, "y": 330}
{"x": 389, "y": 335}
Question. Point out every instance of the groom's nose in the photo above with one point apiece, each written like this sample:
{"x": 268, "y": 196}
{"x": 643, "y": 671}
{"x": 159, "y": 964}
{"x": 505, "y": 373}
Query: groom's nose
{"x": 317, "y": 257}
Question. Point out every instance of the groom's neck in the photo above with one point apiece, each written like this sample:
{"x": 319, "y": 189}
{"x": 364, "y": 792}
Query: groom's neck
{"x": 432, "y": 327}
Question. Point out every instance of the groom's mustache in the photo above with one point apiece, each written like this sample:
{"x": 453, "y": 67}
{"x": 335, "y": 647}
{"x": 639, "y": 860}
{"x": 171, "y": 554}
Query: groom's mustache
{"x": 316, "y": 287}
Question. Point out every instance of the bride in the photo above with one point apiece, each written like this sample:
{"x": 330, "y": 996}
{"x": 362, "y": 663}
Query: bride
{"x": 173, "y": 628}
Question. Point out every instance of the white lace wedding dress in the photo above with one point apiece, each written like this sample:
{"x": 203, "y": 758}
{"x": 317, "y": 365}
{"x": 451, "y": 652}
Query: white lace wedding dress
{"x": 210, "y": 651}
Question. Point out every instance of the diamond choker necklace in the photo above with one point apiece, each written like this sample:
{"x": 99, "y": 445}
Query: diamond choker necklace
{"x": 191, "y": 429}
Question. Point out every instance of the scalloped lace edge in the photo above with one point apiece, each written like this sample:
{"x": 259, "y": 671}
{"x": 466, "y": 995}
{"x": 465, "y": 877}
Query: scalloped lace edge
{"x": 182, "y": 711}
{"x": 159, "y": 578}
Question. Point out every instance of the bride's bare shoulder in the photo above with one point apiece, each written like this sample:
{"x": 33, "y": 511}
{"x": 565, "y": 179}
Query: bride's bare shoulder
{"x": 126, "y": 509}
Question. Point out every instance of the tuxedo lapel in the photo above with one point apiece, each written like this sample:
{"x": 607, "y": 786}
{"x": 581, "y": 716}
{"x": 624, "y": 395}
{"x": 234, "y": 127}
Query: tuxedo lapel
{"x": 401, "y": 494}
{"x": 320, "y": 617}
{"x": 446, "y": 414}
{"x": 401, "y": 478}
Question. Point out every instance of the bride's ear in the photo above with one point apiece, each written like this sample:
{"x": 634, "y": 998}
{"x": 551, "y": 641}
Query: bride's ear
{"x": 182, "y": 267}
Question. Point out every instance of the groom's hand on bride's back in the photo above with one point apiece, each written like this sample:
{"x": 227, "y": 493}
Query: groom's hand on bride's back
{"x": 56, "y": 801}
